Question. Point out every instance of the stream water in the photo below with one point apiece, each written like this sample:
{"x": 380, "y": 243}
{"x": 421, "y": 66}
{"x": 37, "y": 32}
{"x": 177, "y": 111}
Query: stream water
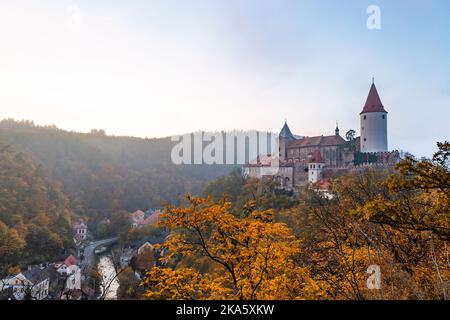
{"x": 110, "y": 283}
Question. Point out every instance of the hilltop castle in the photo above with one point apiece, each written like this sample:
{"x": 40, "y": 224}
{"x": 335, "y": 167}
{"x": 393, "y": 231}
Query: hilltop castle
{"x": 314, "y": 160}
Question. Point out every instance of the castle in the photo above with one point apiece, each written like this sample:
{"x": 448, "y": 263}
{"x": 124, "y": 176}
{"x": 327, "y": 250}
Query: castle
{"x": 314, "y": 160}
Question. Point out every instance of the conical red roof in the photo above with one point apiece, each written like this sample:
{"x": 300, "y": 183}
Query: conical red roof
{"x": 373, "y": 102}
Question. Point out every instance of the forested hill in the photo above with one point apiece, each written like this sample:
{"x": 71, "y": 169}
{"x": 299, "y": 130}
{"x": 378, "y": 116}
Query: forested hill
{"x": 35, "y": 218}
{"x": 102, "y": 174}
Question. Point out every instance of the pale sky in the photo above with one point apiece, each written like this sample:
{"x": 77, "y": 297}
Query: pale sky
{"x": 158, "y": 68}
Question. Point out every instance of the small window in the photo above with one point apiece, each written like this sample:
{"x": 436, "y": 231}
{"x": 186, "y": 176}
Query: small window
{"x": 365, "y": 117}
{"x": 365, "y": 139}
{"x": 383, "y": 116}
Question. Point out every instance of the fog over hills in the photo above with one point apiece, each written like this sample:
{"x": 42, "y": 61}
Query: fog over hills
{"x": 106, "y": 173}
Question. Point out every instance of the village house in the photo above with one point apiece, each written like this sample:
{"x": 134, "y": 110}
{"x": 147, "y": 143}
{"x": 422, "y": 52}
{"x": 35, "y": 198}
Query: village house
{"x": 80, "y": 231}
{"x": 137, "y": 218}
{"x": 61, "y": 280}
{"x": 140, "y": 219}
{"x": 32, "y": 283}
{"x": 71, "y": 271}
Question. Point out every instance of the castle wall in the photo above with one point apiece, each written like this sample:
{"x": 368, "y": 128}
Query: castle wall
{"x": 333, "y": 155}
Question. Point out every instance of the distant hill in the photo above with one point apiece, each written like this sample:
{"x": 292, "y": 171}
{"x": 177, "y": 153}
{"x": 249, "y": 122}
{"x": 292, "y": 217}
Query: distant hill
{"x": 101, "y": 174}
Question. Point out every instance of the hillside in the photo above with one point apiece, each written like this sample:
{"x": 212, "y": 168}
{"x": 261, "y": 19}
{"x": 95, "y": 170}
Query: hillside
{"x": 101, "y": 174}
{"x": 35, "y": 218}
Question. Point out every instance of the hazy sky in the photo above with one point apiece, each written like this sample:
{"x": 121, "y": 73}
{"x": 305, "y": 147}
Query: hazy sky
{"x": 157, "y": 68}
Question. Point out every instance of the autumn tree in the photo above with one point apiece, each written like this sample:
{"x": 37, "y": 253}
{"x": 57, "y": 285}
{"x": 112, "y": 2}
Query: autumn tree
{"x": 249, "y": 257}
{"x": 398, "y": 220}
{"x": 419, "y": 196}
{"x": 415, "y": 217}
{"x": 145, "y": 259}
{"x": 265, "y": 193}
{"x": 129, "y": 288}
{"x": 11, "y": 246}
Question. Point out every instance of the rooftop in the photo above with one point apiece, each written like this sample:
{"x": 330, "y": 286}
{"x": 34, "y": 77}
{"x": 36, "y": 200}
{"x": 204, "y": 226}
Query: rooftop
{"x": 373, "y": 102}
{"x": 316, "y": 157}
{"x": 322, "y": 141}
{"x": 286, "y": 133}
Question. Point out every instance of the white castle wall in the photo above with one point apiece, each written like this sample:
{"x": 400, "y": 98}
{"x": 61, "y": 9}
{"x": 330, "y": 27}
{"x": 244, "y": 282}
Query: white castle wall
{"x": 374, "y": 132}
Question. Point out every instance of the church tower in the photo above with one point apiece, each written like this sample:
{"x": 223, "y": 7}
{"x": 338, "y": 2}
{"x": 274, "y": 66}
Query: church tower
{"x": 285, "y": 137}
{"x": 373, "y": 124}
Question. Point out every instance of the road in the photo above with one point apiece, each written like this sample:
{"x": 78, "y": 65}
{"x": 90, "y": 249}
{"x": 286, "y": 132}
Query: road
{"x": 89, "y": 255}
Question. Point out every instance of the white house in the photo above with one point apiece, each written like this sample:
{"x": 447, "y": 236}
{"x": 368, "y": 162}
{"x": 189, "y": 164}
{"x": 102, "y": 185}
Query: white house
{"x": 71, "y": 272}
{"x": 80, "y": 231}
{"x": 63, "y": 268}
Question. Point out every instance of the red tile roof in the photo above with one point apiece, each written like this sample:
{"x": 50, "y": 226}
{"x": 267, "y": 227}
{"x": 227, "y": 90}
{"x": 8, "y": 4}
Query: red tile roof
{"x": 316, "y": 157}
{"x": 373, "y": 102}
{"x": 321, "y": 141}
{"x": 324, "y": 184}
{"x": 151, "y": 218}
{"x": 70, "y": 260}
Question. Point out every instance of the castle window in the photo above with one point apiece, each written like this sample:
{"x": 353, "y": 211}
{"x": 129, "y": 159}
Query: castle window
{"x": 383, "y": 117}
{"x": 365, "y": 139}
{"x": 365, "y": 117}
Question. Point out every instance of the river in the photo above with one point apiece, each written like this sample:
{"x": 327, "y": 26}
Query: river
{"x": 109, "y": 283}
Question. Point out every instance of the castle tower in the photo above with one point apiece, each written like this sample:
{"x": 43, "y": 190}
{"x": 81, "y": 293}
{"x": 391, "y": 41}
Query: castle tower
{"x": 373, "y": 124}
{"x": 285, "y": 137}
{"x": 315, "y": 167}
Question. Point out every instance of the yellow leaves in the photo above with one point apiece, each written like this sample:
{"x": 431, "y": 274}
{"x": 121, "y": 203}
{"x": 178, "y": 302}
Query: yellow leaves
{"x": 180, "y": 284}
{"x": 264, "y": 216}
{"x": 13, "y": 270}
{"x": 254, "y": 256}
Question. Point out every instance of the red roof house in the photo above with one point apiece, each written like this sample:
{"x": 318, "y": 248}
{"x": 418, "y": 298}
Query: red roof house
{"x": 70, "y": 261}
